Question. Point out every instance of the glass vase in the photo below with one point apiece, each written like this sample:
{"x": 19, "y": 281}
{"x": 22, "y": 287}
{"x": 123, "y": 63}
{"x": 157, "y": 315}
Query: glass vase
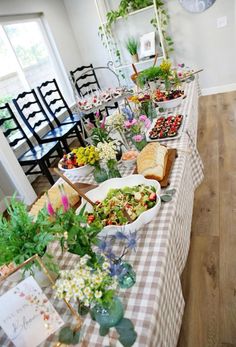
{"x": 127, "y": 276}
{"x": 113, "y": 170}
{"x": 100, "y": 174}
{"x": 140, "y": 145}
{"x": 109, "y": 315}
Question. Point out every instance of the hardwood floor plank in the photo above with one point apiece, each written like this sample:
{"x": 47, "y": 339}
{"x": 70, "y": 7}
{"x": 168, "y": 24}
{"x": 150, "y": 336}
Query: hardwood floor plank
{"x": 227, "y": 150}
{"x": 206, "y": 204}
{"x": 200, "y": 283}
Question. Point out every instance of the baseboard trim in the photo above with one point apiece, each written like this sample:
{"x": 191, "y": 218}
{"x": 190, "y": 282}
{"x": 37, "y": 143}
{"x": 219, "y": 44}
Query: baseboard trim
{"x": 219, "y": 89}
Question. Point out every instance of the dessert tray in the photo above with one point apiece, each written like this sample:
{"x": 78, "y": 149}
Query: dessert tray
{"x": 95, "y": 99}
{"x": 165, "y": 128}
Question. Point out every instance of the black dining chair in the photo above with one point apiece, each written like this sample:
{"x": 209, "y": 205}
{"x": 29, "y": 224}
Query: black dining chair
{"x": 55, "y": 103}
{"x": 85, "y": 77}
{"x": 35, "y": 155}
{"x": 82, "y": 80}
{"x": 35, "y": 118}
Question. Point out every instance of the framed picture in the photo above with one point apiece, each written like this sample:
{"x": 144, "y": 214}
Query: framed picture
{"x": 147, "y": 45}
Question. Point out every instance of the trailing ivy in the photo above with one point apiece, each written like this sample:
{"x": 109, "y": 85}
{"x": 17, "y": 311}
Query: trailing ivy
{"x": 127, "y": 6}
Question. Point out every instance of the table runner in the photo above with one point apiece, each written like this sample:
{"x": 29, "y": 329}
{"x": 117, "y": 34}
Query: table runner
{"x": 155, "y": 303}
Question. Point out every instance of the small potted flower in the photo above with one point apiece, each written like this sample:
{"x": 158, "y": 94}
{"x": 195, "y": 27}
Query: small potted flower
{"x": 132, "y": 47}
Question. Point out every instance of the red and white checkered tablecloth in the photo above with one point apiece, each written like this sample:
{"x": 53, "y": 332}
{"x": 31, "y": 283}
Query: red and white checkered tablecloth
{"x": 155, "y": 303}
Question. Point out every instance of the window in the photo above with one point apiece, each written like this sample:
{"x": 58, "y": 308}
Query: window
{"x": 27, "y": 59}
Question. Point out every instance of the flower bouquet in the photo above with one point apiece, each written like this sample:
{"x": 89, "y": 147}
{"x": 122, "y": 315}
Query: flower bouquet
{"x": 94, "y": 289}
{"x": 136, "y": 128}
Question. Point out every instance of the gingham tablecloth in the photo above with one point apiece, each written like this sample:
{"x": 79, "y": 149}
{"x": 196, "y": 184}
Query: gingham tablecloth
{"x": 155, "y": 303}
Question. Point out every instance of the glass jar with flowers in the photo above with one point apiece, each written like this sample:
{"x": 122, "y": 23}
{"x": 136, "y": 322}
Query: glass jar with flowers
{"x": 116, "y": 123}
{"x": 100, "y": 132}
{"x": 95, "y": 291}
{"x": 118, "y": 267}
{"x": 93, "y": 288}
{"x": 107, "y": 153}
{"x": 136, "y": 128}
{"x": 90, "y": 155}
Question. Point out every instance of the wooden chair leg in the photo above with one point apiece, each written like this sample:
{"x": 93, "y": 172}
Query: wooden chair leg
{"x": 46, "y": 172}
{"x": 80, "y": 138}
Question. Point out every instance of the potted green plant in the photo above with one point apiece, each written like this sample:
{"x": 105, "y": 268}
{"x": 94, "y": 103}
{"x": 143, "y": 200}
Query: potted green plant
{"x": 22, "y": 236}
{"x": 150, "y": 75}
{"x": 132, "y": 46}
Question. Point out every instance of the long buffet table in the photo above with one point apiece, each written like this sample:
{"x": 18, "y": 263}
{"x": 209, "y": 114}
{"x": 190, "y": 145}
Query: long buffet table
{"x": 155, "y": 303}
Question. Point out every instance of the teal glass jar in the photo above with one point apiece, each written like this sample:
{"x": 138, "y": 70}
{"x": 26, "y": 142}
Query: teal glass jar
{"x": 100, "y": 175}
{"x": 127, "y": 276}
{"x": 113, "y": 170}
{"x": 108, "y": 316}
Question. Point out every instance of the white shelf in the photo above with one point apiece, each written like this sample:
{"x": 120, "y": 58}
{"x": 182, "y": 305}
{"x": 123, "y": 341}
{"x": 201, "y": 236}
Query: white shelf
{"x": 141, "y": 62}
{"x": 133, "y": 13}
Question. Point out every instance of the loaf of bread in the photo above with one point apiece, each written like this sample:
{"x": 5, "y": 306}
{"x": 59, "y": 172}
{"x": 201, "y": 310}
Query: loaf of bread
{"x": 152, "y": 160}
{"x": 55, "y": 198}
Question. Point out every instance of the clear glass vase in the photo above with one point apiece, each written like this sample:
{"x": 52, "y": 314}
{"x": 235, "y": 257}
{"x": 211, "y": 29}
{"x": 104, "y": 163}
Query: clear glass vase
{"x": 100, "y": 174}
{"x": 140, "y": 145}
{"x": 108, "y": 316}
{"x": 113, "y": 170}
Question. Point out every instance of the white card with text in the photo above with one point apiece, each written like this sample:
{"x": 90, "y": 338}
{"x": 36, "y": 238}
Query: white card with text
{"x": 27, "y": 316}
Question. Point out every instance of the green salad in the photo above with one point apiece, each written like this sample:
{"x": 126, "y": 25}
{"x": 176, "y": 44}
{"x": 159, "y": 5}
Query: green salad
{"x": 114, "y": 208}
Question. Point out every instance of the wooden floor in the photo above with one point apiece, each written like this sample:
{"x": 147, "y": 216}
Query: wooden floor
{"x": 209, "y": 279}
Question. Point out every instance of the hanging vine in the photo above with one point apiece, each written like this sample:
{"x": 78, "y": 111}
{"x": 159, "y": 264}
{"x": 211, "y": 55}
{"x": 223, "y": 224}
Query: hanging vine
{"x": 125, "y": 7}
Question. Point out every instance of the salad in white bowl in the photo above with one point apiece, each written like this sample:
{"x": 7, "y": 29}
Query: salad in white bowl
{"x": 124, "y": 204}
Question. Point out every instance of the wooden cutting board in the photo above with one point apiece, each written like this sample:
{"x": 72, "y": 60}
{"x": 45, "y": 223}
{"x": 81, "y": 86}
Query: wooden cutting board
{"x": 172, "y": 154}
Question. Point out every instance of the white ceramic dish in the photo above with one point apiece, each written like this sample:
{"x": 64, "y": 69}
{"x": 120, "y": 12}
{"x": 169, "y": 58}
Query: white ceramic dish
{"x": 81, "y": 171}
{"x": 101, "y": 192}
{"x": 170, "y": 103}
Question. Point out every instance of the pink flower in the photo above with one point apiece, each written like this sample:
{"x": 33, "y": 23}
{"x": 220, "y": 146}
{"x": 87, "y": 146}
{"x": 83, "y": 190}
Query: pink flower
{"x": 129, "y": 124}
{"x": 50, "y": 208}
{"x": 97, "y": 115}
{"x": 180, "y": 74}
{"x": 138, "y": 138}
{"x": 147, "y": 123}
{"x": 64, "y": 199}
{"x": 143, "y": 117}
{"x": 102, "y": 126}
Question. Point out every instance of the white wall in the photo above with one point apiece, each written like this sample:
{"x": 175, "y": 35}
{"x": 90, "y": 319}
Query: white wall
{"x": 56, "y": 16}
{"x": 198, "y": 42}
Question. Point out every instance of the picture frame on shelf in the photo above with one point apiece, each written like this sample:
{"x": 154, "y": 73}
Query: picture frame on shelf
{"x": 147, "y": 45}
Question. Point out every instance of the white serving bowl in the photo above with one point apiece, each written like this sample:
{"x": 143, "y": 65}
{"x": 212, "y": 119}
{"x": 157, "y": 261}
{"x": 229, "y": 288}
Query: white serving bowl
{"x": 101, "y": 192}
{"x": 170, "y": 103}
{"x": 81, "y": 171}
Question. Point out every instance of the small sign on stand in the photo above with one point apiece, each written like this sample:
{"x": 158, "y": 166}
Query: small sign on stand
{"x": 27, "y": 317}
